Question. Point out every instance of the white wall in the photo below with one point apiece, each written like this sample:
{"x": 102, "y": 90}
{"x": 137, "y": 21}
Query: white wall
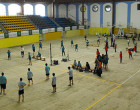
{"x": 135, "y": 15}
{"x": 95, "y": 16}
{"x": 62, "y": 10}
{"x": 121, "y": 14}
{"x": 107, "y": 16}
{"x": 72, "y": 11}
{"x": 85, "y": 14}
{"x": 49, "y": 10}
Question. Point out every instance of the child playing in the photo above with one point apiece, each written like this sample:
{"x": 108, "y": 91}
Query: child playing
{"x": 115, "y": 47}
{"x": 30, "y": 58}
{"x": 120, "y": 56}
{"x": 76, "y": 47}
{"x": 71, "y": 43}
{"x": 33, "y": 48}
{"x": 130, "y": 54}
{"x": 22, "y": 51}
{"x": 63, "y": 50}
{"x": 54, "y": 83}
{"x": 87, "y": 43}
{"x": 61, "y": 43}
{"x": 40, "y": 46}
{"x": 29, "y": 76}
{"x": 9, "y": 55}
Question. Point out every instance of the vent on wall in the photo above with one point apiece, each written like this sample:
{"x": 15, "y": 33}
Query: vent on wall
{"x": 138, "y": 7}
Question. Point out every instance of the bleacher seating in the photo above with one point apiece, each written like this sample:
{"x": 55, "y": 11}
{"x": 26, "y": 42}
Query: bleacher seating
{"x": 1, "y": 30}
{"x": 16, "y": 23}
{"x": 64, "y": 22}
{"x": 42, "y": 22}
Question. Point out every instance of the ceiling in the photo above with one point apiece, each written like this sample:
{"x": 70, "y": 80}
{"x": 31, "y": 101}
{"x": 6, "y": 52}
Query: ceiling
{"x": 60, "y": 1}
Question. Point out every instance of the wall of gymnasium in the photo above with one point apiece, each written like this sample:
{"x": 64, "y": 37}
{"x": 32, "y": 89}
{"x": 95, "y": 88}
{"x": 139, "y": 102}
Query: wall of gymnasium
{"x": 99, "y": 20}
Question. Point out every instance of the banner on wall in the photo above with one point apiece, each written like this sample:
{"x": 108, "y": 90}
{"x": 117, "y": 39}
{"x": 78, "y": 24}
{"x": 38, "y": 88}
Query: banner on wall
{"x": 1, "y": 35}
{"x": 12, "y": 34}
{"x": 30, "y": 32}
{"x": 74, "y": 27}
{"x": 51, "y": 30}
{"x": 35, "y": 31}
{"x": 24, "y": 33}
{"x": 45, "y": 30}
{"x": 60, "y": 29}
{"x": 67, "y": 28}
{"x": 81, "y": 27}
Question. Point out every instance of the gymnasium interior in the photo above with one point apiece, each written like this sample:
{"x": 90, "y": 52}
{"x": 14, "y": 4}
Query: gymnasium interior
{"x": 51, "y": 22}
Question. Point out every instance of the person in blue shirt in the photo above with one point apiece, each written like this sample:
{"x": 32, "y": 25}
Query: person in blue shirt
{"x": 33, "y": 48}
{"x": 47, "y": 69}
{"x": 39, "y": 55}
{"x": 30, "y": 58}
{"x": 72, "y": 43}
{"x": 79, "y": 65}
{"x": 111, "y": 41}
{"x": 9, "y": 55}
{"x": 40, "y": 45}
{"x": 87, "y": 43}
{"x": 106, "y": 62}
{"x": 76, "y": 47}
{"x": 3, "y": 82}
{"x": 61, "y": 43}
{"x": 63, "y": 50}
{"x": 74, "y": 64}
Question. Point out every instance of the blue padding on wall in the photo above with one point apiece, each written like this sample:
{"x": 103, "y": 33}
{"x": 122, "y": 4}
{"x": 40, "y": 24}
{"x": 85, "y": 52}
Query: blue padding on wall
{"x": 101, "y": 14}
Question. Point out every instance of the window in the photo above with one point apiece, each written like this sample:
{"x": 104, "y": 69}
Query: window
{"x": 95, "y": 8}
{"x": 2, "y": 10}
{"x": 40, "y": 10}
{"x": 28, "y": 9}
{"x": 14, "y": 9}
{"x": 107, "y": 8}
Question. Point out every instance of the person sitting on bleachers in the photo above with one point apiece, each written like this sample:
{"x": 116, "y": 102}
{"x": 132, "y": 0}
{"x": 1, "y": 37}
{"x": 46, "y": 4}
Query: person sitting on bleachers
{"x": 74, "y": 64}
{"x": 38, "y": 56}
{"x": 87, "y": 67}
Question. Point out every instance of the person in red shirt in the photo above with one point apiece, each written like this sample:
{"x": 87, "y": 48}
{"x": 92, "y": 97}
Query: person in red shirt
{"x": 115, "y": 47}
{"x": 97, "y": 52}
{"x": 134, "y": 50}
{"x": 106, "y": 49}
{"x": 120, "y": 56}
{"x": 130, "y": 53}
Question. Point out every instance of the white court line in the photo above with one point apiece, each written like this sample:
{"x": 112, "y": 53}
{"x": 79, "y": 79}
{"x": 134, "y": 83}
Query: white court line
{"x": 130, "y": 77}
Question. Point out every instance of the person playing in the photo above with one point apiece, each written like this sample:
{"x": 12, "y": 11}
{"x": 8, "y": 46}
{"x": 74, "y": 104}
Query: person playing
{"x": 128, "y": 42}
{"x": 3, "y": 82}
{"x": 130, "y": 54}
{"x": 98, "y": 40}
{"x": 22, "y": 51}
{"x": 99, "y": 68}
{"x": 9, "y": 55}
{"x": 115, "y": 47}
{"x": 87, "y": 67}
{"x": 72, "y": 43}
{"x": 106, "y": 62}
{"x": 134, "y": 50}
{"x": 85, "y": 38}
{"x": 61, "y": 43}
{"x": 30, "y": 58}
{"x": 120, "y": 56}
{"x": 106, "y": 49}
{"x": 63, "y": 50}
{"x": 54, "y": 83}
{"x": 40, "y": 46}
{"x": 97, "y": 52}
{"x": 47, "y": 69}
{"x": 33, "y": 48}
{"x": 21, "y": 86}
{"x": 70, "y": 76}
{"x": 76, "y": 47}
{"x": 87, "y": 43}
{"x": 111, "y": 41}
{"x": 39, "y": 55}
{"x": 29, "y": 76}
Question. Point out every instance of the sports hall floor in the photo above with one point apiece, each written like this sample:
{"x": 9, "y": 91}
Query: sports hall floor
{"x": 117, "y": 89}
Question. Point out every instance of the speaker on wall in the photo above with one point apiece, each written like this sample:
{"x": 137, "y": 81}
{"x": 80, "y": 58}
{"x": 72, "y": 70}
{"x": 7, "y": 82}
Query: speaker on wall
{"x": 138, "y": 6}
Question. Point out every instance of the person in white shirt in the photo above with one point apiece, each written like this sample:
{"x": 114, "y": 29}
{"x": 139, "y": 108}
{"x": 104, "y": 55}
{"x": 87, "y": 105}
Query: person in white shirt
{"x": 54, "y": 83}
{"x": 128, "y": 41}
{"x": 70, "y": 76}
{"x": 22, "y": 51}
{"x": 29, "y": 76}
{"x": 21, "y": 86}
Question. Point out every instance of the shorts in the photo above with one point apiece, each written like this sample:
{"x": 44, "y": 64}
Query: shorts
{"x": 22, "y": 52}
{"x": 20, "y": 92}
{"x": 53, "y": 85}
{"x": 47, "y": 74}
{"x": 29, "y": 78}
{"x": 33, "y": 50}
{"x": 87, "y": 44}
{"x": 70, "y": 78}
{"x": 8, "y": 56}
{"x": 3, "y": 86}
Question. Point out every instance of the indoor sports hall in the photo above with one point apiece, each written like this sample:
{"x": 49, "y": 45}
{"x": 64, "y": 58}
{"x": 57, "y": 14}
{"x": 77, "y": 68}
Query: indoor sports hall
{"x": 69, "y": 55}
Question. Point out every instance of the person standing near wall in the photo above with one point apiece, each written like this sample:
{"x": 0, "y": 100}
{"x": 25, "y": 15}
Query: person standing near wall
{"x": 9, "y": 55}
{"x": 22, "y": 51}
{"x": 33, "y": 48}
{"x": 111, "y": 41}
{"x": 3, "y": 83}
